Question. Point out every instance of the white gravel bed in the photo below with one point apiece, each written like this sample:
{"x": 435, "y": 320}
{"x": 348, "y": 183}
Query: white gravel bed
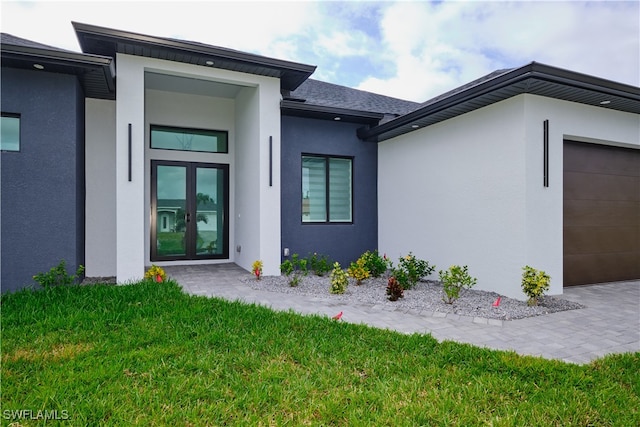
{"x": 426, "y": 296}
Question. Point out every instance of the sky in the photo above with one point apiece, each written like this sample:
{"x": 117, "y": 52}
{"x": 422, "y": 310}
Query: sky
{"x": 413, "y": 50}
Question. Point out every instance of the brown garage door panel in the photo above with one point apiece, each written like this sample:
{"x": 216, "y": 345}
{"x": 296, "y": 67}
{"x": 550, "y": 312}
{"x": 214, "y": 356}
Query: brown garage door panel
{"x": 598, "y": 268}
{"x": 592, "y": 158}
{"x": 594, "y": 240}
{"x": 584, "y": 186}
{"x": 601, "y": 213}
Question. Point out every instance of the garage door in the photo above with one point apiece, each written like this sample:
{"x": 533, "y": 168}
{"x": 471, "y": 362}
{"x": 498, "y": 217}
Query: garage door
{"x": 601, "y": 213}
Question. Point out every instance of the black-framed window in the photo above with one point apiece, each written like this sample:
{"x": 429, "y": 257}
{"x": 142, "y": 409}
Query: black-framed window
{"x": 10, "y": 132}
{"x": 327, "y": 189}
{"x": 186, "y": 139}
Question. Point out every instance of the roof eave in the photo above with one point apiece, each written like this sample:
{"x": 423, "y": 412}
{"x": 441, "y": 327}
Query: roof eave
{"x": 301, "y": 109}
{"x": 71, "y": 62}
{"x": 292, "y": 74}
{"x": 83, "y": 59}
{"x": 586, "y": 81}
{"x": 533, "y": 70}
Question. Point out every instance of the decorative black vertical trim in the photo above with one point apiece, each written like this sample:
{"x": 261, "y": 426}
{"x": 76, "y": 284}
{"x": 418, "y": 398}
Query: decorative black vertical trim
{"x": 129, "y": 152}
{"x": 270, "y": 161}
{"x": 546, "y": 153}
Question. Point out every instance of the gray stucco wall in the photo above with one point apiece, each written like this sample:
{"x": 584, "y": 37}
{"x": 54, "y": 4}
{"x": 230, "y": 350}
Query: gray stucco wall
{"x": 341, "y": 242}
{"x": 42, "y": 218}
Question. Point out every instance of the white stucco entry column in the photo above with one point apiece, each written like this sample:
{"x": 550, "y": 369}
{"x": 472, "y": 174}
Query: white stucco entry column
{"x": 130, "y": 240}
{"x": 270, "y": 225}
{"x": 257, "y": 176}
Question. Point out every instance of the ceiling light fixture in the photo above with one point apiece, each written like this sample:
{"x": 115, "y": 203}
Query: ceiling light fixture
{"x": 209, "y": 63}
{"x": 415, "y": 126}
{"x": 337, "y": 119}
{"x": 607, "y": 102}
{"x": 38, "y": 66}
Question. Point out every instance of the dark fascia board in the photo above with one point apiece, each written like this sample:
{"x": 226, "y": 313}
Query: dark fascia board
{"x": 533, "y": 70}
{"x": 584, "y": 81}
{"x": 71, "y": 61}
{"x": 301, "y": 109}
{"x": 295, "y": 72}
{"x": 69, "y": 58}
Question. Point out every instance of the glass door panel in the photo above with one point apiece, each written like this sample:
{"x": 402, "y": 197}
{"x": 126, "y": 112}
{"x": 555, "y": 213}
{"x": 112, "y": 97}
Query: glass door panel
{"x": 170, "y": 211}
{"x": 209, "y": 211}
{"x": 189, "y": 211}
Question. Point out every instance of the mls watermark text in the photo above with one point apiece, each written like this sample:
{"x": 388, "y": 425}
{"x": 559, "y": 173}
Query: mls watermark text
{"x": 29, "y": 414}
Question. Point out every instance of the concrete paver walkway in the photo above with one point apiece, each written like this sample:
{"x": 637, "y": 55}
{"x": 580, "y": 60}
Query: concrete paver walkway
{"x": 610, "y": 323}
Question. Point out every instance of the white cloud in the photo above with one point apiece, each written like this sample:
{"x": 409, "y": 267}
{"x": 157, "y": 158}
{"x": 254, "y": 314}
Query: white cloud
{"x": 250, "y": 26}
{"x": 436, "y": 47}
{"x": 412, "y": 50}
{"x": 342, "y": 44}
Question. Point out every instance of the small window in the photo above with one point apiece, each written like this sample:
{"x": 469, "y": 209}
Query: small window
{"x": 171, "y": 138}
{"x": 326, "y": 189}
{"x": 10, "y": 132}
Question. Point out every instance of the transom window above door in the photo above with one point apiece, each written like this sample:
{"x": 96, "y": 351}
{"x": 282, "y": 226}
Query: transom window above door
{"x": 185, "y": 139}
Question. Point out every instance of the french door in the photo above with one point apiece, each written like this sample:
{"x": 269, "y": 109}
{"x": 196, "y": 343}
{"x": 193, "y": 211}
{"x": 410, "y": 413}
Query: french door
{"x": 189, "y": 211}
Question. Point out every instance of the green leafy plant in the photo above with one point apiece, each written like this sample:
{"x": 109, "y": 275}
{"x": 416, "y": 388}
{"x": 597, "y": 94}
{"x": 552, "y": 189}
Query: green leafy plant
{"x": 339, "y": 280}
{"x": 358, "y": 271}
{"x": 534, "y": 283}
{"x": 454, "y": 280}
{"x": 394, "y": 289}
{"x": 410, "y": 270}
{"x": 155, "y": 274}
{"x": 294, "y": 280}
{"x": 294, "y": 268}
{"x": 319, "y": 264}
{"x": 302, "y": 267}
{"x": 401, "y": 276}
{"x": 286, "y": 267}
{"x": 58, "y": 276}
{"x": 376, "y": 264}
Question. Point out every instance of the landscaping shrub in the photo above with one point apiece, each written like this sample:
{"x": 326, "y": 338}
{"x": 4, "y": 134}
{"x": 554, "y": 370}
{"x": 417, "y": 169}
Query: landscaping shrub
{"x": 410, "y": 270}
{"x": 256, "y": 268}
{"x": 454, "y": 280}
{"x": 394, "y": 289}
{"x": 155, "y": 274}
{"x": 376, "y": 264}
{"x": 294, "y": 268}
{"x": 319, "y": 264}
{"x": 339, "y": 280}
{"x": 534, "y": 283}
{"x": 358, "y": 271}
{"x": 58, "y": 276}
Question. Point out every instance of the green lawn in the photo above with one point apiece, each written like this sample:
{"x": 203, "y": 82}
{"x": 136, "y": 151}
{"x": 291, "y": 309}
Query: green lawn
{"x": 147, "y": 354}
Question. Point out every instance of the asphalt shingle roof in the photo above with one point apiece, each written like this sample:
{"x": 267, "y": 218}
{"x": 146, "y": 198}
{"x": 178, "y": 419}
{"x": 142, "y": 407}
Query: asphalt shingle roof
{"x": 10, "y": 39}
{"x": 315, "y": 92}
